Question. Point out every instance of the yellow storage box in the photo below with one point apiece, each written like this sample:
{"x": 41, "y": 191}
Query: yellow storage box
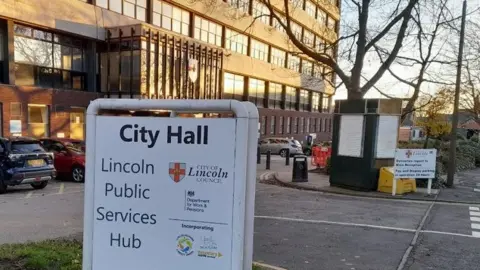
{"x": 385, "y": 180}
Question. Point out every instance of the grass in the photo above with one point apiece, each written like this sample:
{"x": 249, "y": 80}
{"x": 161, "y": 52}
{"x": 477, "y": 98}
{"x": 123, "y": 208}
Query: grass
{"x": 45, "y": 255}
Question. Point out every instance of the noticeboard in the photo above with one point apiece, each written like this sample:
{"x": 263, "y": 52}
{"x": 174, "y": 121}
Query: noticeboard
{"x": 415, "y": 163}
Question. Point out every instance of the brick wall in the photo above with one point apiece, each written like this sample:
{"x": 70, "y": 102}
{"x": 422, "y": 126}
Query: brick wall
{"x": 55, "y": 99}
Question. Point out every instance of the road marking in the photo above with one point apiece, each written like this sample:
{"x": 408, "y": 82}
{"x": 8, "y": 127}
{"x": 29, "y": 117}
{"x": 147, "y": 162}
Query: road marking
{"x": 267, "y": 266}
{"x": 29, "y": 194}
{"x": 476, "y": 226}
{"x": 337, "y": 223}
{"x": 475, "y": 214}
{"x": 448, "y": 233}
{"x": 476, "y": 189}
{"x": 476, "y": 219}
{"x": 474, "y": 208}
{"x": 61, "y": 188}
{"x": 476, "y": 234}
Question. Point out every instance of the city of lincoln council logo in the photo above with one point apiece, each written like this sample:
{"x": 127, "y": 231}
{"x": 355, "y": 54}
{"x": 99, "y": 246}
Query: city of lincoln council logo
{"x": 177, "y": 171}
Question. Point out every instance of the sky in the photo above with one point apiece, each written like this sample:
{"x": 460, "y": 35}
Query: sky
{"x": 388, "y": 83}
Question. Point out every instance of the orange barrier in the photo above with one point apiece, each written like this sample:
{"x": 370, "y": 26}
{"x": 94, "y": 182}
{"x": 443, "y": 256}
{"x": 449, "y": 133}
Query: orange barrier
{"x": 320, "y": 154}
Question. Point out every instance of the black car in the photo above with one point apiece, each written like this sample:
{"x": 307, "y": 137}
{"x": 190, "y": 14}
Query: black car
{"x": 23, "y": 161}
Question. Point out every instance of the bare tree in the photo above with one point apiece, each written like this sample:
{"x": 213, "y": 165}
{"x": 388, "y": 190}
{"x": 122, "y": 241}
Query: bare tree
{"x": 362, "y": 39}
{"x": 425, "y": 52}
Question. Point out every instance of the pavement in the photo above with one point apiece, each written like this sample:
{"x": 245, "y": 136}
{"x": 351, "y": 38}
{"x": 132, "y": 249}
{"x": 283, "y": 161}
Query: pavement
{"x": 299, "y": 229}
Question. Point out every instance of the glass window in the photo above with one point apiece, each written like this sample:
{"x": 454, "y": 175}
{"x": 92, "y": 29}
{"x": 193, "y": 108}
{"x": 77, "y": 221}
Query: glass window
{"x": 294, "y": 62}
{"x": 326, "y": 103}
{"x": 290, "y": 98}
{"x": 208, "y": 31}
{"x": 38, "y": 120}
{"x": 310, "y": 8}
{"x": 289, "y": 125}
{"x": 259, "y": 50}
{"x": 275, "y": 96}
{"x": 233, "y": 86}
{"x": 307, "y": 67}
{"x": 272, "y": 125}
{"x": 304, "y": 101}
{"x": 263, "y": 125}
{"x": 307, "y": 125}
{"x": 318, "y": 71}
{"x": 261, "y": 12}
{"x": 301, "y": 125}
{"x": 278, "y": 26}
{"x": 322, "y": 17}
{"x": 320, "y": 44}
{"x": 171, "y": 17}
{"x": 315, "y": 102}
{"x": 308, "y": 38}
{"x": 296, "y": 30}
{"x": 256, "y": 92}
{"x": 295, "y": 125}
{"x": 331, "y": 23}
{"x": 329, "y": 50}
{"x": 102, "y": 3}
{"x": 242, "y": 5}
{"x": 297, "y": 3}
{"x": 236, "y": 41}
{"x": 278, "y": 57}
{"x": 48, "y": 60}
{"x": 280, "y": 125}
{"x": 115, "y": 5}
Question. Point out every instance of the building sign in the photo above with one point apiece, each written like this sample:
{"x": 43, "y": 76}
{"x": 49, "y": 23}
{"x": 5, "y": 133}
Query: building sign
{"x": 193, "y": 69}
{"x": 415, "y": 163}
{"x": 163, "y": 193}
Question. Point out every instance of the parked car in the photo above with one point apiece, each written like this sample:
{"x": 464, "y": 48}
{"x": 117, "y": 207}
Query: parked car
{"x": 280, "y": 146}
{"x": 23, "y": 161}
{"x": 69, "y": 157}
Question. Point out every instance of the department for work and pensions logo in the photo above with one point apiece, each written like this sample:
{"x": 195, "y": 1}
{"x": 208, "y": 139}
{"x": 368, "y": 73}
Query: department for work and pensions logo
{"x": 177, "y": 170}
{"x": 185, "y": 245}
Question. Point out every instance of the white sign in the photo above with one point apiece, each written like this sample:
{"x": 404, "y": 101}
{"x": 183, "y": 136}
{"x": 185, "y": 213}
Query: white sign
{"x": 168, "y": 193}
{"x": 387, "y": 136}
{"x": 351, "y": 136}
{"x": 415, "y": 163}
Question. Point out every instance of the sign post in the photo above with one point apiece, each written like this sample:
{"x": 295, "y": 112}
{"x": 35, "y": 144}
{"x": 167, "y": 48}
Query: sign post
{"x": 414, "y": 163}
{"x": 169, "y": 192}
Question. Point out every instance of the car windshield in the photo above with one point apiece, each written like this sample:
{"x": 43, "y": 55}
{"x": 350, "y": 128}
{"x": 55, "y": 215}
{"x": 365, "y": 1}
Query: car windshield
{"x": 74, "y": 146}
{"x": 296, "y": 142}
{"x": 26, "y": 147}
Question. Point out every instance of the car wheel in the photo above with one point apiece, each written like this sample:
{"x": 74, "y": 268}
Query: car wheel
{"x": 40, "y": 185}
{"x": 78, "y": 174}
{"x": 283, "y": 152}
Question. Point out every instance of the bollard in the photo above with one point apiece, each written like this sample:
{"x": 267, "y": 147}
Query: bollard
{"x": 287, "y": 158}
{"x": 258, "y": 156}
{"x": 267, "y": 164}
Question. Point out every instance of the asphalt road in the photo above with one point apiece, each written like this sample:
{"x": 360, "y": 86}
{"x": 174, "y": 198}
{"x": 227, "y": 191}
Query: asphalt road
{"x": 293, "y": 229}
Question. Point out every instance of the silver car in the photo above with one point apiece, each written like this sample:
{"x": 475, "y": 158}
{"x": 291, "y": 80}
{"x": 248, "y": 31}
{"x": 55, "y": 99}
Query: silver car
{"x": 280, "y": 146}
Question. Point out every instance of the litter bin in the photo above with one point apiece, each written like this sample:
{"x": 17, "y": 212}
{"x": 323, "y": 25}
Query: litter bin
{"x": 300, "y": 169}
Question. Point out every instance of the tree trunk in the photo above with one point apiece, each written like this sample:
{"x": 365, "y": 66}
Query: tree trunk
{"x": 354, "y": 94}
{"x": 425, "y": 145}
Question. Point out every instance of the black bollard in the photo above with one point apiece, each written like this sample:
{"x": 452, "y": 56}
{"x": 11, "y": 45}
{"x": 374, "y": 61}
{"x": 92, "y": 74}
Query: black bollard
{"x": 287, "y": 158}
{"x": 267, "y": 164}
{"x": 258, "y": 156}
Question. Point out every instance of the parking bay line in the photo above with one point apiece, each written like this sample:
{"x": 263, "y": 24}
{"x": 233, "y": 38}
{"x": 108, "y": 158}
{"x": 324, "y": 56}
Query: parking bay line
{"x": 61, "y": 188}
{"x": 360, "y": 225}
{"x": 29, "y": 194}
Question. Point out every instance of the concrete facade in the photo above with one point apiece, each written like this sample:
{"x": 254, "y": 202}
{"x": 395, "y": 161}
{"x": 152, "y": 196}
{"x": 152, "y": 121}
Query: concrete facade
{"x": 88, "y": 21}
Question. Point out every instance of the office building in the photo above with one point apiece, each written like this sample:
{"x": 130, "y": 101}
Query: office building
{"x": 58, "y": 55}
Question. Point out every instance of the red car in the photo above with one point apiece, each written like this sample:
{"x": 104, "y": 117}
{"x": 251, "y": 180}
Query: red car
{"x": 69, "y": 157}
